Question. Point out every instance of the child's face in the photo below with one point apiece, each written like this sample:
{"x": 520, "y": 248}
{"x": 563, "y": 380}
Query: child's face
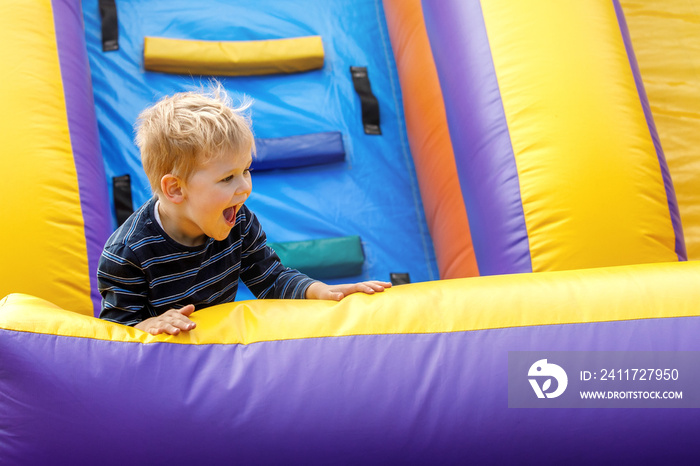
{"x": 213, "y": 195}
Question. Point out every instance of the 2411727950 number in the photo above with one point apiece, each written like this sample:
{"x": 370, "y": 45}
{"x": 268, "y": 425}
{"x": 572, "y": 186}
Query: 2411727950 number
{"x": 638, "y": 374}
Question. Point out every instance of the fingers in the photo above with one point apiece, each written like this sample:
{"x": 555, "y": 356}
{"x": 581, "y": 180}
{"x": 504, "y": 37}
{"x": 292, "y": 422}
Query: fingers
{"x": 364, "y": 288}
{"x": 377, "y": 285}
{"x": 369, "y": 287}
{"x": 319, "y": 290}
{"x": 172, "y": 322}
{"x": 372, "y": 287}
{"x": 186, "y": 310}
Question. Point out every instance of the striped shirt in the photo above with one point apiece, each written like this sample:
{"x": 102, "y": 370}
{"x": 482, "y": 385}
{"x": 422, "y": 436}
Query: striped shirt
{"x": 143, "y": 272}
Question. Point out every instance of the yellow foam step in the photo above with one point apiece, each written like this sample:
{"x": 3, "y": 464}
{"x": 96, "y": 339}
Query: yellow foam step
{"x": 233, "y": 58}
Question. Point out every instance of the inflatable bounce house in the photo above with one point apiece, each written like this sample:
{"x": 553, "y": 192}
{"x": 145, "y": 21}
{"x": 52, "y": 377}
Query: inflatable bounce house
{"x": 526, "y": 173}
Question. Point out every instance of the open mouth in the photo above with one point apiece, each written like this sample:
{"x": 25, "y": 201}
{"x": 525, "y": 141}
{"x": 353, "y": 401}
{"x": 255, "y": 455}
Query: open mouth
{"x": 230, "y": 215}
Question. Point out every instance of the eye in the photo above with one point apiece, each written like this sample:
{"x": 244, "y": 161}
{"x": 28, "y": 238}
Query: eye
{"x": 247, "y": 171}
{"x": 227, "y": 179}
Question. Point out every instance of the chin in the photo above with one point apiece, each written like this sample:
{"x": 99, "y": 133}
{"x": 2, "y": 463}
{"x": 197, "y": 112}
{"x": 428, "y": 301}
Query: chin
{"x": 222, "y": 236}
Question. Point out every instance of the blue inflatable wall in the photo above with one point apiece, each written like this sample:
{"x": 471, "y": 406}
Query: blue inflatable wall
{"x": 373, "y": 193}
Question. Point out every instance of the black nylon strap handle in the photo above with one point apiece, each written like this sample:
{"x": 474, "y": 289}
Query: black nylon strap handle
{"x": 370, "y": 105}
{"x": 400, "y": 278}
{"x": 121, "y": 193}
{"x": 110, "y": 25}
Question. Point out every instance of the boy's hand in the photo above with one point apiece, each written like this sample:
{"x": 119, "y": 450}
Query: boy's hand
{"x": 319, "y": 290}
{"x": 171, "y": 322}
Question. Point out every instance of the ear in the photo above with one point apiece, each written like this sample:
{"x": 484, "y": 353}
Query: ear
{"x": 171, "y": 186}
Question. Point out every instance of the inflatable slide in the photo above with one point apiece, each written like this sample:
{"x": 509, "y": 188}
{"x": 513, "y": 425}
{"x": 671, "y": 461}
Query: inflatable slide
{"x": 525, "y": 173}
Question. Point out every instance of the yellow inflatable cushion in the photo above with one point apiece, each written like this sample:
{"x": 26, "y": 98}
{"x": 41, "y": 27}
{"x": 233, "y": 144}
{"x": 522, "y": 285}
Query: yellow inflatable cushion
{"x": 233, "y": 58}
{"x": 605, "y": 294}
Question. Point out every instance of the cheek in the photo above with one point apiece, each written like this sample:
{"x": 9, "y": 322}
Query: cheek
{"x": 213, "y": 202}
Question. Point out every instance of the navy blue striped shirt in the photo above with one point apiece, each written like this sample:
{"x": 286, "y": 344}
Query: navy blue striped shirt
{"x": 143, "y": 272}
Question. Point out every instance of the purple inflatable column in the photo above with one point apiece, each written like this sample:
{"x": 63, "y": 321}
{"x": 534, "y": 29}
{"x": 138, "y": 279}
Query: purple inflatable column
{"x": 82, "y": 124}
{"x": 479, "y": 132}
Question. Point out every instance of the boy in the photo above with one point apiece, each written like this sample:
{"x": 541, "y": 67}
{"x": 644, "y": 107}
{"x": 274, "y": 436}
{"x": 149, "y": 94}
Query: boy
{"x": 186, "y": 248}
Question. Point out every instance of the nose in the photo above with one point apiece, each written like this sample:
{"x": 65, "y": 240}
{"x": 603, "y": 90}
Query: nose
{"x": 244, "y": 186}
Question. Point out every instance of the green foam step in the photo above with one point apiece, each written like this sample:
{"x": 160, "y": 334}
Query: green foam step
{"x": 323, "y": 258}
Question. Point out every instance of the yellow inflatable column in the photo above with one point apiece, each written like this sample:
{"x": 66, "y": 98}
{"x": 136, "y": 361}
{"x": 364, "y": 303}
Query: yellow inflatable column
{"x": 591, "y": 180}
{"x": 42, "y": 239}
{"x": 666, "y": 38}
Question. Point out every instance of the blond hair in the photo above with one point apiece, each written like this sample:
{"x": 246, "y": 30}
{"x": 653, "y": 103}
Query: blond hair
{"x": 183, "y": 130}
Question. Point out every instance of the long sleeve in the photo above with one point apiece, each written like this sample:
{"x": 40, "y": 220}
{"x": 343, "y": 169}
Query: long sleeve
{"x": 261, "y": 269}
{"x": 123, "y": 286}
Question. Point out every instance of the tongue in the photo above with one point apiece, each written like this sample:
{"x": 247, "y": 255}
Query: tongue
{"x": 229, "y": 214}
